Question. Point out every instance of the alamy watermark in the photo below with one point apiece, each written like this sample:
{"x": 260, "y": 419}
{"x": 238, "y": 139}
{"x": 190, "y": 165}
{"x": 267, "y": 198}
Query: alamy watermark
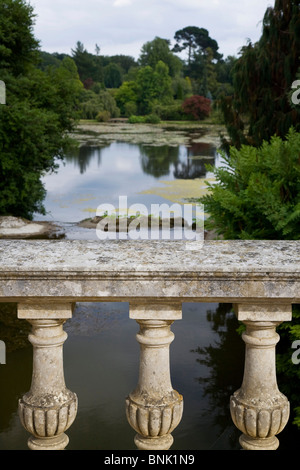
{"x": 296, "y": 94}
{"x": 2, "y": 92}
{"x": 296, "y": 354}
{"x": 163, "y": 222}
{"x": 2, "y": 352}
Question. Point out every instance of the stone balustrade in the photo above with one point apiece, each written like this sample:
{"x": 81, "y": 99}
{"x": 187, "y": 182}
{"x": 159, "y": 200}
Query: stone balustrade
{"x": 46, "y": 278}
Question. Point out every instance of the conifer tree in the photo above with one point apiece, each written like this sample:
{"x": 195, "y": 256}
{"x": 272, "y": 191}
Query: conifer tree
{"x": 261, "y": 105}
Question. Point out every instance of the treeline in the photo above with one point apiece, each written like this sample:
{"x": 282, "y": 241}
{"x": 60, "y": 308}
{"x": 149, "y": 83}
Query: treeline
{"x": 157, "y": 84}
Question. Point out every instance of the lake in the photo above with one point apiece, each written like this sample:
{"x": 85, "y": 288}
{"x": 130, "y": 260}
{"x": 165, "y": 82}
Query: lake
{"x": 144, "y": 174}
{"x": 101, "y": 355}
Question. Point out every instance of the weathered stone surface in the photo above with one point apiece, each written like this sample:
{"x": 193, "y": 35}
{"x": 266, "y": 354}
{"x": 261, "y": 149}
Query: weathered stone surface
{"x": 154, "y": 409}
{"x": 49, "y": 408}
{"x": 258, "y": 408}
{"x": 46, "y": 277}
{"x": 20, "y": 228}
{"x": 221, "y": 271}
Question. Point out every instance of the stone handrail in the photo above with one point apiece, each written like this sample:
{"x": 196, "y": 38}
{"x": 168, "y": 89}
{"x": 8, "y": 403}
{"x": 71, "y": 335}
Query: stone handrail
{"x": 46, "y": 278}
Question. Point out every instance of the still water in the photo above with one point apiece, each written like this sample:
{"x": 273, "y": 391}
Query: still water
{"x": 145, "y": 174}
{"x": 101, "y": 364}
{"x": 101, "y": 354}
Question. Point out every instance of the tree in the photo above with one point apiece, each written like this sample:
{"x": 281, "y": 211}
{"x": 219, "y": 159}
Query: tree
{"x": 125, "y": 62}
{"x": 146, "y": 92}
{"x": 18, "y": 46}
{"x": 197, "y": 107}
{"x": 41, "y": 107}
{"x": 153, "y": 85}
{"x": 126, "y": 98}
{"x": 158, "y": 50}
{"x": 262, "y": 78}
{"x": 89, "y": 65}
{"x": 202, "y": 60}
{"x": 112, "y": 75}
{"x": 92, "y": 103}
{"x": 195, "y": 39}
{"x": 224, "y": 69}
{"x": 163, "y": 83}
{"x": 182, "y": 88}
{"x": 50, "y": 60}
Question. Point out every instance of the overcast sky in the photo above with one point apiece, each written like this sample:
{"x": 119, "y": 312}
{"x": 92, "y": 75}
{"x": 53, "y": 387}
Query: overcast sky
{"x": 123, "y": 26}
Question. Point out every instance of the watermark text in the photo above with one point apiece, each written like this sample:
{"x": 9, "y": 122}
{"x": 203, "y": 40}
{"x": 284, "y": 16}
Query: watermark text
{"x": 2, "y": 352}
{"x": 296, "y": 94}
{"x": 163, "y": 222}
{"x": 296, "y": 354}
{"x": 2, "y": 92}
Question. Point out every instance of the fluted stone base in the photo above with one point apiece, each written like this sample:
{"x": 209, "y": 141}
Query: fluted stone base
{"x": 49, "y": 408}
{"x": 153, "y": 443}
{"x": 50, "y": 443}
{"x": 154, "y": 408}
{"x": 258, "y": 408}
{"x": 269, "y": 443}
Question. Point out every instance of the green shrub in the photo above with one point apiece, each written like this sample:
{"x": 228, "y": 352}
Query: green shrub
{"x": 152, "y": 119}
{"x": 92, "y": 103}
{"x": 103, "y": 116}
{"x": 136, "y": 119}
{"x": 130, "y": 108}
{"x": 257, "y": 195}
{"x": 171, "y": 112}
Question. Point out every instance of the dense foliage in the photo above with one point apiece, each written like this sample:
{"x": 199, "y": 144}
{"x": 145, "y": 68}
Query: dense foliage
{"x": 197, "y": 106}
{"x": 40, "y": 107}
{"x": 257, "y": 195}
{"x": 157, "y": 83}
{"x": 261, "y": 105}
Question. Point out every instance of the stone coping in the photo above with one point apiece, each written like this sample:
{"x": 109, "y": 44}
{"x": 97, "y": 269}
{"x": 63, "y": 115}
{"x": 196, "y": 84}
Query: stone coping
{"x": 212, "y": 257}
{"x": 220, "y": 271}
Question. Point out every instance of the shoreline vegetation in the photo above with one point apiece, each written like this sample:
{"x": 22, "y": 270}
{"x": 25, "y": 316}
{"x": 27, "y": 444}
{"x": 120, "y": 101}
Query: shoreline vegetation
{"x": 91, "y": 132}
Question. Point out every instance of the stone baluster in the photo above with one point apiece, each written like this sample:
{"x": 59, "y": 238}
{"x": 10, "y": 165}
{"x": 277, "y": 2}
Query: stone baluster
{"x": 49, "y": 408}
{"x": 154, "y": 409}
{"x": 258, "y": 408}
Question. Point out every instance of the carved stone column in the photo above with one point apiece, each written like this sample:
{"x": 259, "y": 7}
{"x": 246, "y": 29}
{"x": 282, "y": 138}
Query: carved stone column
{"x": 258, "y": 408}
{"x": 49, "y": 408}
{"x": 154, "y": 409}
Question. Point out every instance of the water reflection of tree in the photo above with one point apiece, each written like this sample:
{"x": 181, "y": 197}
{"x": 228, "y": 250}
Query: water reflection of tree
{"x": 225, "y": 360}
{"x": 82, "y": 156}
{"x": 203, "y": 149}
{"x": 198, "y": 155}
{"x": 191, "y": 169}
{"x": 15, "y": 375}
{"x": 13, "y": 331}
{"x": 156, "y": 161}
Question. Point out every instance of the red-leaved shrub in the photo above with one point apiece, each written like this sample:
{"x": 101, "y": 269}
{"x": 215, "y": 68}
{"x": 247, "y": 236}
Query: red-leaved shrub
{"x": 198, "y": 107}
